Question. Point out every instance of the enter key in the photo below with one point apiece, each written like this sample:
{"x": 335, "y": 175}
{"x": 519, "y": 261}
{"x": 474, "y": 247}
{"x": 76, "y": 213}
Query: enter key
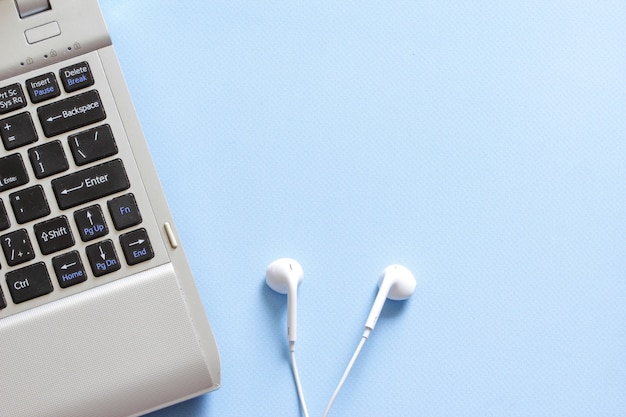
{"x": 90, "y": 184}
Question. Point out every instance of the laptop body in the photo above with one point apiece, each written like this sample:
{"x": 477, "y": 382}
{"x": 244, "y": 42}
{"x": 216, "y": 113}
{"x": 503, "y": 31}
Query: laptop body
{"x": 99, "y": 312}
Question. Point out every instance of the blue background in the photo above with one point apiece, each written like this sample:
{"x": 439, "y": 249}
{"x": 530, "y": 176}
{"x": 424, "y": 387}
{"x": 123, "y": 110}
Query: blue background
{"x": 481, "y": 144}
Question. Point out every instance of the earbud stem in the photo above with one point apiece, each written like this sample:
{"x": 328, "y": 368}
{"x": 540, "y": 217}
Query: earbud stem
{"x": 379, "y": 302}
{"x": 292, "y": 308}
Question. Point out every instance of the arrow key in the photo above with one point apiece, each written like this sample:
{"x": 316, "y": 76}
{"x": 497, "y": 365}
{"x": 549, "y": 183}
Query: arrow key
{"x": 136, "y": 246}
{"x": 69, "y": 269}
{"x": 102, "y": 258}
{"x": 90, "y": 223}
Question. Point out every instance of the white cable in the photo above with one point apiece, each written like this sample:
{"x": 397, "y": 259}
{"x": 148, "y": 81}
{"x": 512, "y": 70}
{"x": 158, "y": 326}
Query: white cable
{"x": 347, "y": 371}
{"x": 296, "y": 378}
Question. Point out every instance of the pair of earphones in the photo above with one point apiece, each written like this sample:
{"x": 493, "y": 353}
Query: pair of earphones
{"x": 285, "y": 275}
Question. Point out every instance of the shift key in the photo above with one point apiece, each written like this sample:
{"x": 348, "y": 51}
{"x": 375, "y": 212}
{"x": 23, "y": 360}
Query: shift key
{"x": 90, "y": 184}
{"x": 71, "y": 113}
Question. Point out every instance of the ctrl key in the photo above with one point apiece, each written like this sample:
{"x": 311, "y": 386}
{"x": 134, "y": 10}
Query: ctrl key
{"x": 29, "y": 282}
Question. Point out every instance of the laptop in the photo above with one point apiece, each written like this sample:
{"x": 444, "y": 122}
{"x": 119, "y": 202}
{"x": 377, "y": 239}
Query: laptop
{"x": 99, "y": 312}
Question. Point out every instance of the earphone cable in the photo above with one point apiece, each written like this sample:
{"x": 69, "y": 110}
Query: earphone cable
{"x": 347, "y": 371}
{"x": 296, "y": 378}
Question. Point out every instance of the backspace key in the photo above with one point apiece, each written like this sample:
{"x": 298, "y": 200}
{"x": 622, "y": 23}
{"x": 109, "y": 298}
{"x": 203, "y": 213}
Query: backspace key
{"x": 71, "y": 113}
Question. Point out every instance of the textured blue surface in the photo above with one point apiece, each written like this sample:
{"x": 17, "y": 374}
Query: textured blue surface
{"x": 481, "y": 144}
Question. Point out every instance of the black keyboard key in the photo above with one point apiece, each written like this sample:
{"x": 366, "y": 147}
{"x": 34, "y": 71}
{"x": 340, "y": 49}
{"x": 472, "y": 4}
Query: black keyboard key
{"x": 29, "y": 204}
{"x": 5, "y": 223}
{"x": 124, "y": 211}
{"x": 90, "y": 223}
{"x": 3, "y": 303}
{"x": 76, "y": 76}
{"x": 17, "y": 131}
{"x": 42, "y": 88}
{"x": 12, "y": 172}
{"x": 29, "y": 282}
{"x": 90, "y": 184}
{"x": 11, "y": 98}
{"x": 16, "y": 247}
{"x": 102, "y": 258}
{"x": 69, "y": 269}
{"x": 71, "y": 113}
{"x": 92, "y": 145}
{"x": 48, "y": 159}
{"x": 53, "y": 235}
{"x": 136, "y": 246}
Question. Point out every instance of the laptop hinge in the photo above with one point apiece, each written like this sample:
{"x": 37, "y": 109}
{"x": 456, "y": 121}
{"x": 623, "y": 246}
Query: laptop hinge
{"x": 30, "y": 7}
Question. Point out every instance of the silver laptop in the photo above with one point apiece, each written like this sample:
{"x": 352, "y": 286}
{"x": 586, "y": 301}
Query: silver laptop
{"x": 99, "y": 313}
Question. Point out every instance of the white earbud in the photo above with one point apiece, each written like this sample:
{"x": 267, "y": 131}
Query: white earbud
{"x": 395, "y": 283}
{"x": 283, "y": 276}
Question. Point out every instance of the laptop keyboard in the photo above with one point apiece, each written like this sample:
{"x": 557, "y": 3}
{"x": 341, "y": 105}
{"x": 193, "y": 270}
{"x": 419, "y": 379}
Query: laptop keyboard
{"x": 71, "y": 215}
